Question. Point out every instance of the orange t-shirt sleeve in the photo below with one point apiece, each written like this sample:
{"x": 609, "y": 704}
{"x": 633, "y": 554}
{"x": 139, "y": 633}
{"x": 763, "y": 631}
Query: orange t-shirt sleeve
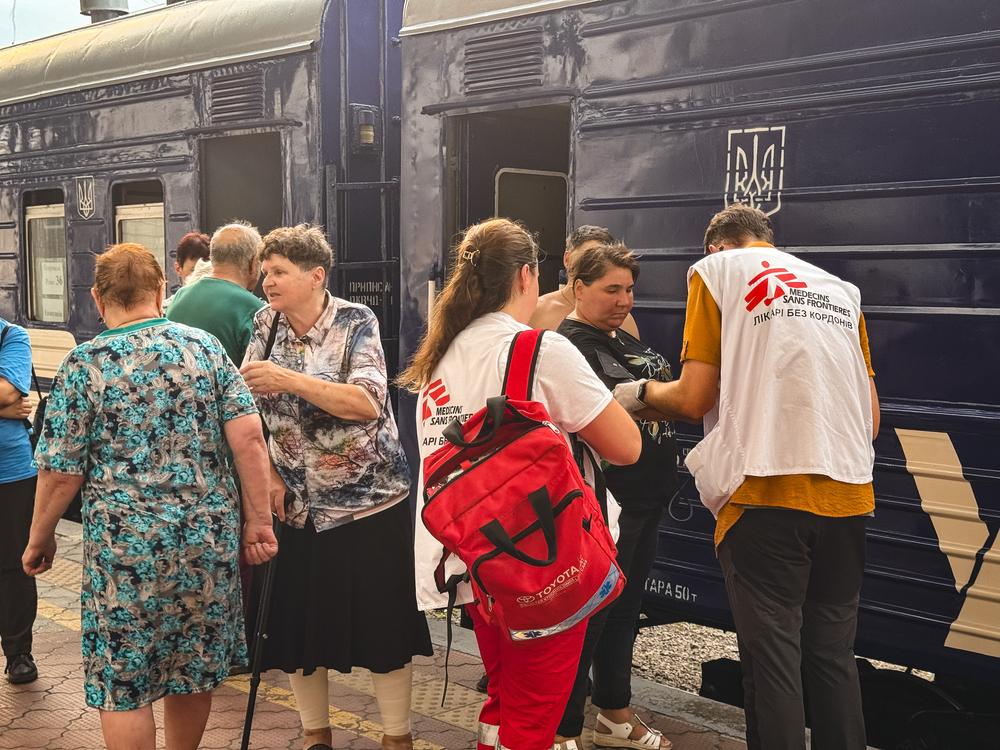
{"x": 865, "y": 349}
{"x": 702, "y": 325}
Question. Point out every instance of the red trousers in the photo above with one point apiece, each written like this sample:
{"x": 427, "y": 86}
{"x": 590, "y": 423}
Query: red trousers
{"x": 530, "y": 682}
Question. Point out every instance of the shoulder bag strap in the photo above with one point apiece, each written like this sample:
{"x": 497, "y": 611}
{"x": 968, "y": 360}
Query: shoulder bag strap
{"x": 34, "y": 377}
{"x": 34, "y": 380}
{"x": 271, "y": 336}
{"x": 519, "y": 378}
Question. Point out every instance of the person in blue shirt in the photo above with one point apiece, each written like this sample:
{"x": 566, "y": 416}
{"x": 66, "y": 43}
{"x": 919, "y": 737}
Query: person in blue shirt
{"x": 17, "y": 495}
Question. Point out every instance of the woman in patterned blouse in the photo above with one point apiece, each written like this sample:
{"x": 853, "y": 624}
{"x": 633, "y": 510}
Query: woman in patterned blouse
{"x": 343, "y": 592}
{"x": 139, "y": 418}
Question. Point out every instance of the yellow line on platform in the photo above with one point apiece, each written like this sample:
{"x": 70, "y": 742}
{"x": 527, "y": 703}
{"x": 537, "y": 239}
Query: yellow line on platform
{"x": 339, "y": 719}
{"x": 68, "y": 618}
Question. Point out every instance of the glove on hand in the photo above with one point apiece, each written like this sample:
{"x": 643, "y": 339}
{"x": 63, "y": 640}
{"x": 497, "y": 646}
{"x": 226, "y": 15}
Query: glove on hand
{"x": 627, "y": 394}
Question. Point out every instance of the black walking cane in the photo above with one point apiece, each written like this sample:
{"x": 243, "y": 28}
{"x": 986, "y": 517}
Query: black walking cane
{"x": 264, "y": 603}
{"x": 260, "y": 635}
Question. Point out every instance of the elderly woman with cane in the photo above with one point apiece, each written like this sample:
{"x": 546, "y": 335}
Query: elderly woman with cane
{"x": 343, "y": 592}
{"x": 140, "y": 417}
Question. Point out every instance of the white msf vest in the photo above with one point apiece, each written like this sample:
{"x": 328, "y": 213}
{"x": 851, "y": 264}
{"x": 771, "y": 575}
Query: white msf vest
{"x": 794, "y": 395}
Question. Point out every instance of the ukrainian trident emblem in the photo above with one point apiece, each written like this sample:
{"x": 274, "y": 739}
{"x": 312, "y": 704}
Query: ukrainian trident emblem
{"x": 85, "y": 197}
{"x": 755, "y": 167}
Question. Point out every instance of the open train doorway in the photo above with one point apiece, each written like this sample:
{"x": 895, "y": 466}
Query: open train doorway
{"x": 513, "y": 164}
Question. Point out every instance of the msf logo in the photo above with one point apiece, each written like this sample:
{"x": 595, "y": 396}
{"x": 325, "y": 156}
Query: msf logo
{"x": 435, "y": 392}
{"x": 769, "y": 285}
{"x": 755, "y": 171}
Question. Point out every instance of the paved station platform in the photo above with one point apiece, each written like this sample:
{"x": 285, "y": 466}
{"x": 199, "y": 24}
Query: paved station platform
{"x": 51, "y": 713}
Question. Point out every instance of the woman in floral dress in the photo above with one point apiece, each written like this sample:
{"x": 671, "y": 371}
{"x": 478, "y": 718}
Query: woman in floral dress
{"x": 140, "y": 417}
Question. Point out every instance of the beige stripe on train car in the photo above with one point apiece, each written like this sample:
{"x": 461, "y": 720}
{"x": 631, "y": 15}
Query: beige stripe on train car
{"x": 948, "y": 498}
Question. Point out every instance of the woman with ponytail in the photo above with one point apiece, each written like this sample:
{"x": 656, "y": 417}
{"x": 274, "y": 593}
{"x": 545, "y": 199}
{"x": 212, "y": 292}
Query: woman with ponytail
{"x": 490, "y": 296}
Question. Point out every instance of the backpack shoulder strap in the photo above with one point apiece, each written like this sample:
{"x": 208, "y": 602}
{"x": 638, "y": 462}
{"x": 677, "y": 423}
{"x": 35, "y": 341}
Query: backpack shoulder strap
{"x": 519, "y": 378}
{"x": 580, "y": 451}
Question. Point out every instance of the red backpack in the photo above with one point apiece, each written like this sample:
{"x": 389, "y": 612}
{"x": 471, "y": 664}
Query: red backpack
{"x": 506, "y": 495}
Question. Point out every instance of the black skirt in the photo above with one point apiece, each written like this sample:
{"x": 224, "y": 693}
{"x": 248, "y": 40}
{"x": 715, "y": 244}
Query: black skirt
{"x": 345, "y": 597}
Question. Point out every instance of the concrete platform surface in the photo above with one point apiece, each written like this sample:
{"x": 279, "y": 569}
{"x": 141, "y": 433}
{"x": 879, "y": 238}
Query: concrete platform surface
{"x": 50, "y": 713}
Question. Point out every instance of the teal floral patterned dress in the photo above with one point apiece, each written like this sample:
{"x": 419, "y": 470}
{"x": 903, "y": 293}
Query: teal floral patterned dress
{"x": 139, "y": 411}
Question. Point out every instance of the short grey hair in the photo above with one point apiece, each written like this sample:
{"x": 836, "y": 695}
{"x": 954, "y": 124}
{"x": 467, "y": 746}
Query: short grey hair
{"x": 304, "y": 245}
{"x": 235, "y": 244}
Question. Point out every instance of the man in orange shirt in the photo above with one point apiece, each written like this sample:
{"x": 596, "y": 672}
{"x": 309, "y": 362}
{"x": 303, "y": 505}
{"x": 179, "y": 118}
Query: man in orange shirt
{"x": 783, "y": 346}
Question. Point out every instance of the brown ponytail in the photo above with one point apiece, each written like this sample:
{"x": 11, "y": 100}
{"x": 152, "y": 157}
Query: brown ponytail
{"x": 485, "y": 264}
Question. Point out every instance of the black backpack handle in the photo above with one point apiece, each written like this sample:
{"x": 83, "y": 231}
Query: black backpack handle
{"x": 542, "y": 505}
{"x": 495, "y": 408}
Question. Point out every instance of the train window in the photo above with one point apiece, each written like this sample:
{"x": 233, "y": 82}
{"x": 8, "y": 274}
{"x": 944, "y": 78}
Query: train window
{"x": 139, "y": 216}
{"x": 48, "y": 300}
{"x": 143, "y": 224}
{"x": 8, "y": 238}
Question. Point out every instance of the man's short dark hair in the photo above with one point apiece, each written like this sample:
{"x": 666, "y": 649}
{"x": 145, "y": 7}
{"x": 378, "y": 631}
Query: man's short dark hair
{"x": 192, "y": 245}
{"x": 737, "y": 224}
{"x": 587, "y": 233}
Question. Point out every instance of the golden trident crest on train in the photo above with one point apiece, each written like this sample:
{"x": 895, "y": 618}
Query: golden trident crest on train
{"x": 85, "y": 197}
{"x": 755, "y": 167}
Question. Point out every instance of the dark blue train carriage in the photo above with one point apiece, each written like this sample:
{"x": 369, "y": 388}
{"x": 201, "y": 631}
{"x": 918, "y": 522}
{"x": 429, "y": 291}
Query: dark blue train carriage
{"x": 149, "y": 126}
{"x": 867, "y": 131}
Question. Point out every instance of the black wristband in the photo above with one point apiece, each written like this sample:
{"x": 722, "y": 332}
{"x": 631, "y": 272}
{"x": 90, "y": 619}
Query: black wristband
{"x": 641, "y": 394}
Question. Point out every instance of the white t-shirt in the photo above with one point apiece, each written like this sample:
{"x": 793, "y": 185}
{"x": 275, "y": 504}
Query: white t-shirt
{"x": 470, "y": 372}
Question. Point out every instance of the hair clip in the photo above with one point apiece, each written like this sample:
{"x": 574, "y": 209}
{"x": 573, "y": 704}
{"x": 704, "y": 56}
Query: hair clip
{"x": 469, "y": 255}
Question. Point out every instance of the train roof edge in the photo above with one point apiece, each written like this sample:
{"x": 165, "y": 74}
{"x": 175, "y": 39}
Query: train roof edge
{"x": 163, "y": 41}
{"x": 425, "y": 16}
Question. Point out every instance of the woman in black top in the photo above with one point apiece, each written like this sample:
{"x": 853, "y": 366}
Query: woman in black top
{"x": 603, "y": 281}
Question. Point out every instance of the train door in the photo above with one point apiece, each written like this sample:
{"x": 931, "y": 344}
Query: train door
{"x": 363, "y": 217}
{"x": 362, "y": 180}
{"x": 513, "y": 164}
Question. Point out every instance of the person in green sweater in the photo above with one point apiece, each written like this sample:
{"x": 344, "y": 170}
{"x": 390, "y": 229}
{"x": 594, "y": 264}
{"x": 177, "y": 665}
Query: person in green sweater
{"x": 222, "y": 303}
